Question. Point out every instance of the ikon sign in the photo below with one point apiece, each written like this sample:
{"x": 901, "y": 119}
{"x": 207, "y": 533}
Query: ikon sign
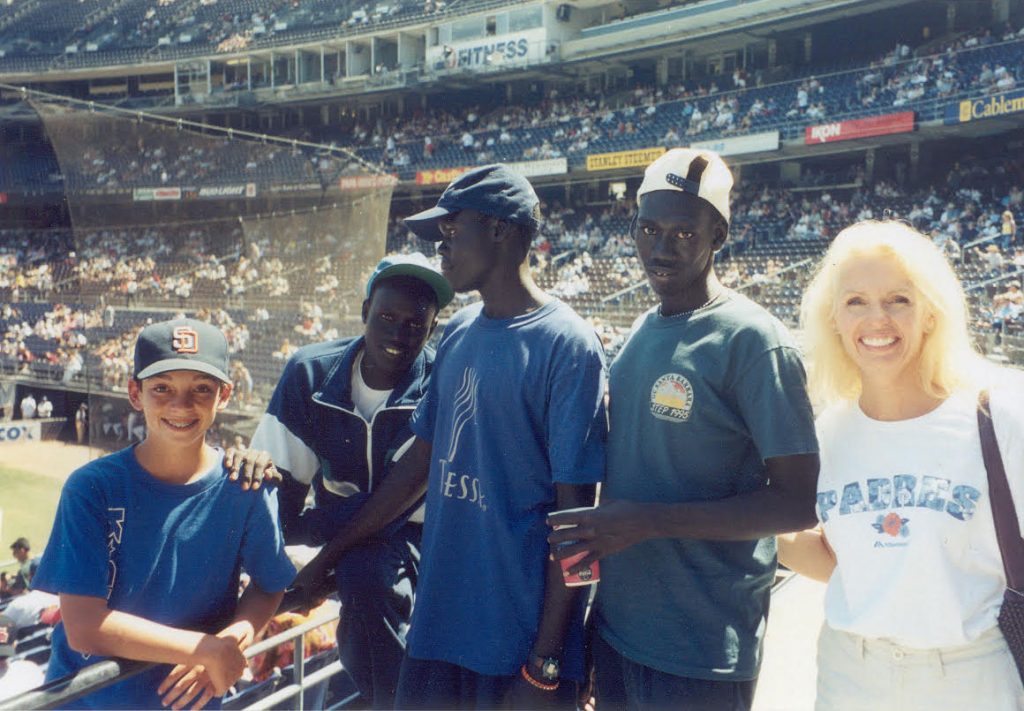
{"x": 860, "y": 128}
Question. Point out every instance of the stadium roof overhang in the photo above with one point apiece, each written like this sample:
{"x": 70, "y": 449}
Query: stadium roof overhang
{"x": 720, "y": 34}
{"x": 725, "y": 30}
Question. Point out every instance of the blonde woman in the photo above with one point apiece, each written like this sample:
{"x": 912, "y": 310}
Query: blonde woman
{"x": 906, "y": 542}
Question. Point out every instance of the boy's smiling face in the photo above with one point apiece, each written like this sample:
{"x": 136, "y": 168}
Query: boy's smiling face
{"x": 180, "y": 405}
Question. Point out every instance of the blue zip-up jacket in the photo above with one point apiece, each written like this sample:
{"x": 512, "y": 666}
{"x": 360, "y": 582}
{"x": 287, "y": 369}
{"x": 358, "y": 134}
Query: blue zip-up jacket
{"x": 316, "y": 437}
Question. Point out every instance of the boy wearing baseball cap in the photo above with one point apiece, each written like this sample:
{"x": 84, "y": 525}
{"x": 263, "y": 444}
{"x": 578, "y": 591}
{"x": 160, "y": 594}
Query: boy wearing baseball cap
{"x": 148, "y": 543}
{"x": 710, "y": 419}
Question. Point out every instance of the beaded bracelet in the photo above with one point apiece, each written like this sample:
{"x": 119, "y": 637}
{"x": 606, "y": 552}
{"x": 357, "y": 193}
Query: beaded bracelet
{"x": 537, "y": 684}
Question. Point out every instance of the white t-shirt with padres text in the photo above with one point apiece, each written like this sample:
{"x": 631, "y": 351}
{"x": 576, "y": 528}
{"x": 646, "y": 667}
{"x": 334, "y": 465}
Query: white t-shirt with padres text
{"x": 905, "y": 506}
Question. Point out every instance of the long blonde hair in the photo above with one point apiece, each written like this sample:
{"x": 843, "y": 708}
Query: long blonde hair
{"x": 948, "y": 360}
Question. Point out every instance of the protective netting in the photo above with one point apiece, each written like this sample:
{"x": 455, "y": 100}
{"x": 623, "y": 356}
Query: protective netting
{"x": 271, "y": 240}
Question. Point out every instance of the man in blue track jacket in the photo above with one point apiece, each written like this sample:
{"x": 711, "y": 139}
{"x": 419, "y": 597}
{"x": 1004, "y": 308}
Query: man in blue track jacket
{"x": 338, "y": 419}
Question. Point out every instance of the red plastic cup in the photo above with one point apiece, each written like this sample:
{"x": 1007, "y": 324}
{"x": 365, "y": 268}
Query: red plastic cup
{"x": 589, "y": 575}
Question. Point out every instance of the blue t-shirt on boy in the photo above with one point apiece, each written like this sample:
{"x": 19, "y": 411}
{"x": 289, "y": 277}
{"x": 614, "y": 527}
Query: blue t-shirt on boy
{"x": 169, "y": 553}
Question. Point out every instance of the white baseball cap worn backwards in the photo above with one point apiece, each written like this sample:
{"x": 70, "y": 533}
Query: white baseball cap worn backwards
{"x": 700, "y": 173}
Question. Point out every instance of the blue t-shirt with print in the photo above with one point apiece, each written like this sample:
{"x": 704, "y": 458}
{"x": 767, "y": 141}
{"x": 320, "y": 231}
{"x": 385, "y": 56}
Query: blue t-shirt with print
{"x": 514, "y": 407}
{"x": 165, "y": 552}
{"x": 699, "y": 401}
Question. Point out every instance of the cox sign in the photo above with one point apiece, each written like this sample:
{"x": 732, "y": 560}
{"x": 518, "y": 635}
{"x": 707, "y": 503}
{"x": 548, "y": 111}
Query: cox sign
{"x": 20, "y": 432}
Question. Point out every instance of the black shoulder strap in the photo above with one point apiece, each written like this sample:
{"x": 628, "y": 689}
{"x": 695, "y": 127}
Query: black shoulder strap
{"x": 1011, "y": 546}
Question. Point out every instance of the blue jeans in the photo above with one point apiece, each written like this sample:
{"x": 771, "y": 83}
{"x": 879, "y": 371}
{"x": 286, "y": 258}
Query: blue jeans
{"x": 624, "y": 684}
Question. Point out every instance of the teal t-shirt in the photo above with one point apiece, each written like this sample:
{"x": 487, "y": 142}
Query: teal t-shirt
{"x": 698, "y": 402}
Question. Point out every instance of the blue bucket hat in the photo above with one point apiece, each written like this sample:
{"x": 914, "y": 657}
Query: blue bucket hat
{"x": 494, "y": 190}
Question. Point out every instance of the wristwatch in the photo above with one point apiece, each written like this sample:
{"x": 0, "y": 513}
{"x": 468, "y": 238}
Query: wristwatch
{"x": 549, "y": 667}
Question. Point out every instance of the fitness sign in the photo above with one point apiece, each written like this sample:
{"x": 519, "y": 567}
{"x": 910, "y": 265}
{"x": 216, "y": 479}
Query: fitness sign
{"x": 506, "y": 50}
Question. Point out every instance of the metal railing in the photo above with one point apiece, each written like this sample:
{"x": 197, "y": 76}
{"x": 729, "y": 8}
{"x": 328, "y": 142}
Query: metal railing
{"x": 62, "y": 692}
{"x": 993, "y": 280}
{"x": 788, "y": 268}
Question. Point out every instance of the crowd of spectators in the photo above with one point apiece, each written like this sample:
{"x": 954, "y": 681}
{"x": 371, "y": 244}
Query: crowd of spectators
{"x": 115, "y": 153}
{"x": 54, "y": 341}
{"x": 211, "y": 26}
{"x": 585, "y": 251}
{"x": 553, "y": 126}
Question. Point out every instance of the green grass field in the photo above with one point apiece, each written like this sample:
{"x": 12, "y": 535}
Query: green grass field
{"x": 29, "y": 502}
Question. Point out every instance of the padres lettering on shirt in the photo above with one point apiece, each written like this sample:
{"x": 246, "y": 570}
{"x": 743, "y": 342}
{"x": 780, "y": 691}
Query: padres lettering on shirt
{"x": 905, "y": 507}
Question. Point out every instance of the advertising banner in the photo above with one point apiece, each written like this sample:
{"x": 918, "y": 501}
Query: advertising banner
{"x": 149, "y": 194}
{"x": 21, "y": 431}
{"x": 860, "y": 128}
{"x": 537, "y": 168}
{"x": 511, "y": 49}
{"x": 623, "y": 159}
{"x": 441, "y": 176}
{"x": 367, "y": 182}
{"x": 753, "y": 143}
{"x": 1012, "y": 102}
{"x": 295, "y": 187}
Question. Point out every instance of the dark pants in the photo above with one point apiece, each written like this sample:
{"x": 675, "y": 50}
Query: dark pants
{"x": 431, "y": 684}
{"x": 624, "y": 684}
{"x": 376, "y": 586}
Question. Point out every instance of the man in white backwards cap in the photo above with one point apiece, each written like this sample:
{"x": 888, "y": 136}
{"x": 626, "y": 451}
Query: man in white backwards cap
{"x": 711, "y": 453}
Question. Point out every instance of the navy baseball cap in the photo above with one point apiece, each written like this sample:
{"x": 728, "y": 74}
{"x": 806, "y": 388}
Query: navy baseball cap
{"x": 492, "y": 190}
{"x": 181, "y": 344}
{"x": 414, "y": 265}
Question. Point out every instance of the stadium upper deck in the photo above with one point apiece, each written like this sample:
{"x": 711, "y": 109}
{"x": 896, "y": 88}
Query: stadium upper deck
{"x": 300, "y": 47}
{"x": 571, "y": 129}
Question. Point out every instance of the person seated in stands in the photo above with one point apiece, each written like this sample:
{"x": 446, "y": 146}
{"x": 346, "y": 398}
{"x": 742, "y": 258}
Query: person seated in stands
{"x": 1003, "y": 312}
{"x": 242, "y": 380}
{"x": 316, "y": 641}
{"x": 27, "y": 566}
{"x": 338, "y": 419}
{"x": 951, "y": 248}
{"x": 992, "y": 258}
{"x": 32, "y": 607}
{"x": 133, "y": 528}
{"x": 20, "y": 675}
{"x": 1013, "y": 295}
{"x": 26, "y": 358}
{"x": 285, "y": 351}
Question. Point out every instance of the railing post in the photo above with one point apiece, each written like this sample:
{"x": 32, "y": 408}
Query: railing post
{"x": 299, "y": 664}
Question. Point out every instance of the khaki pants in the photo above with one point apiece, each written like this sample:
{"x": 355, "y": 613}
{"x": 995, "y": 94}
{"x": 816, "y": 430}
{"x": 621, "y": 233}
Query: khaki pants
{"x": 860, "y": 674}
